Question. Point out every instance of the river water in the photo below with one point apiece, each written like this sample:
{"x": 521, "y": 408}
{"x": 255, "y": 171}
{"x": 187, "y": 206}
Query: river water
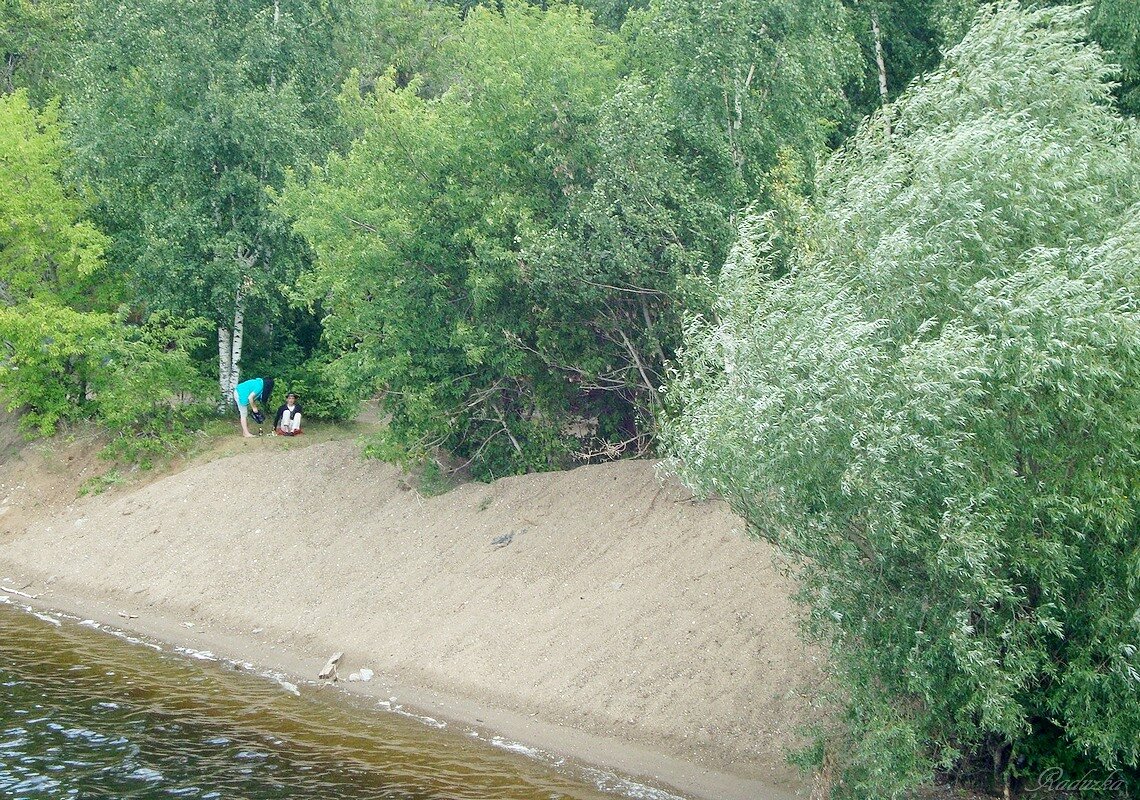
{"x": 86, "y": 714}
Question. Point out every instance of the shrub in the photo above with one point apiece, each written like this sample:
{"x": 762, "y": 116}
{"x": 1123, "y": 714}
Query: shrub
{"x": 319, "y": 391}
{"x": 46, "y": 362}
{"x": 139, "y": 381}
{"x": 151, "y": 394}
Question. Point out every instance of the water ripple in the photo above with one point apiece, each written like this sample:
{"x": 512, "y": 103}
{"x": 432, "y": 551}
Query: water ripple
{"x": 82, "y": 714}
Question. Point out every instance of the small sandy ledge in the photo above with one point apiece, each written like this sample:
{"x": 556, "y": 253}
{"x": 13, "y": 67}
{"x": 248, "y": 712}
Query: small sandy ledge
{"x": 599, "y": 613}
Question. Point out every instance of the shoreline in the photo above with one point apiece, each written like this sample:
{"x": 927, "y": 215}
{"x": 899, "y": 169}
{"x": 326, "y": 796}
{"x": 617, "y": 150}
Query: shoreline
{"x": 641, "y": 767}
{"x": 598, "y": 614}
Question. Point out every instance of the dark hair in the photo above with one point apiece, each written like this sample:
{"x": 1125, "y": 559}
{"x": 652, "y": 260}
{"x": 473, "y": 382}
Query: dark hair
{"x": 266, "y": 390}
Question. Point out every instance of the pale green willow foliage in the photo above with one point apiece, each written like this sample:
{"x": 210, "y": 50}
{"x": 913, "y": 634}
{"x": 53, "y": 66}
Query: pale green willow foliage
{"x": 937, "y": 414}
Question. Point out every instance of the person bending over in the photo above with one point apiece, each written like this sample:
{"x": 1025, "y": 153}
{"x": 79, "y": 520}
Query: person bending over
{"x": 288, "y": 420}
{"x": 247, "y": 395}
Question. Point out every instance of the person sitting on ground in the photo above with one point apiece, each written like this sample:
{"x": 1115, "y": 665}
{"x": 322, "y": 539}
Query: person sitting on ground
{"x": 288, "y": 420}
{"x": 247, "y": 395}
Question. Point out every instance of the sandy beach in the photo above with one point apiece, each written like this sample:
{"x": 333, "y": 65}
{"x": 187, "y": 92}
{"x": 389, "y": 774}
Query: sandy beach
{"x": 601, "y": 613}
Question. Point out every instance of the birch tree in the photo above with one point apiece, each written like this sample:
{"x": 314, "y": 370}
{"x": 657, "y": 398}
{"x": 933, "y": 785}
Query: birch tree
{"x": 902, "y": 40}
{"x": 185, "y": 115}
{"x": 742, "y": 78}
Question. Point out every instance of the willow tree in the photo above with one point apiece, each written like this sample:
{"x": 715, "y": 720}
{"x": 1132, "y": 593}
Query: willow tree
{"x": 937, "y": 414}
{"x": 185, "y": 115}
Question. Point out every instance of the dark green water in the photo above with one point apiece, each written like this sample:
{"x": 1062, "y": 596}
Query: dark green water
{"x": 85, "y": 714}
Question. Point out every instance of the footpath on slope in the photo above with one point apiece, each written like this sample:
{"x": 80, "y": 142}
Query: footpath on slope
{"x": 599, "y": 613}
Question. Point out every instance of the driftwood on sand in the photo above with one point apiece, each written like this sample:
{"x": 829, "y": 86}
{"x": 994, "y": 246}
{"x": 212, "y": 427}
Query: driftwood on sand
{"x": 329, "y": 671}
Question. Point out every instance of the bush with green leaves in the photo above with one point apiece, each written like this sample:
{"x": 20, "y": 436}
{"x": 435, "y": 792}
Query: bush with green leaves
{"x": 418, "y": 230}
{"x": 60, "y": 366}
{"x": 320, "y": 391}
{"x": 47, "y": 362}
{"x": 936, "y": 413}
{"x": 149, "y": 389}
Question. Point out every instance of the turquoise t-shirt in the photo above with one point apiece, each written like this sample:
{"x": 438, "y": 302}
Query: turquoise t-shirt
{"x": 256, "y": 385}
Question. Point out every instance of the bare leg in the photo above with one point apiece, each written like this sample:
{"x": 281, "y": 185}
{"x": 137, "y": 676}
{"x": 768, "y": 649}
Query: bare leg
{"x": 243, "y": 412}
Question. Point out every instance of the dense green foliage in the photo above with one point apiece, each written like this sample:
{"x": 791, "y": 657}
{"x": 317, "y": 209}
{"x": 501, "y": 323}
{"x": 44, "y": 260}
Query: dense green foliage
{"x": 912, "y": 35}
{"x": 150, "y": 394}
{"x": 1116, "y": 25}
{"x": 509, "y": 244}
{"x": 184, "y": 117}
{"x": 719, "y": 97}
{"x": 65, "y": 361}
{"x": 913, "y": 363}
{"x": 48, "y": 352}
{"x": 418, "y": 230}
{"x": 936, "y": 411}
{"x": 70, "y": 366}
{"x": 47, "y": 248}
{"x": 36, "y": 37}
{"x": 520, "y": 317}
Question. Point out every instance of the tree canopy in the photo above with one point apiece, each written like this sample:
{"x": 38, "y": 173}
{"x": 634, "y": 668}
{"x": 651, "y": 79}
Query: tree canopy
{"x": 185, "y": 116}
{"x": 47, "y": 246}
{"x": 936, "y": 412}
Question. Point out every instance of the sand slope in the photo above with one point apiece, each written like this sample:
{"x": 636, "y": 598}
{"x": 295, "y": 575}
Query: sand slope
{"x": 601, "y": 600}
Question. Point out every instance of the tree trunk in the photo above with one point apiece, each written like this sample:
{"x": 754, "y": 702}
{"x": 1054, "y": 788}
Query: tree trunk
{"x": 9, "y": 84}
{"x": 245, "y": 259}
{"x": 225, "y": 357}
{"x": 239, "y": 333}
{"x": 229, "y": 347}
{"x": 740, "y": 87}
{"x": 882, "y": 64}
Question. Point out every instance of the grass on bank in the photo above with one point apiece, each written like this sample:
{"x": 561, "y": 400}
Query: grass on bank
{"x": 219, "y": 437}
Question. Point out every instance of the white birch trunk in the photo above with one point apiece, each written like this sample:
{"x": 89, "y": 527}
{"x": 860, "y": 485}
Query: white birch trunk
{"x": 238, "y": 334}
{"x": 740, "y": 87}
{"x": 245, "y": 260}
{"x": 882, "y": 64}
{"x": 225, "y": 363}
